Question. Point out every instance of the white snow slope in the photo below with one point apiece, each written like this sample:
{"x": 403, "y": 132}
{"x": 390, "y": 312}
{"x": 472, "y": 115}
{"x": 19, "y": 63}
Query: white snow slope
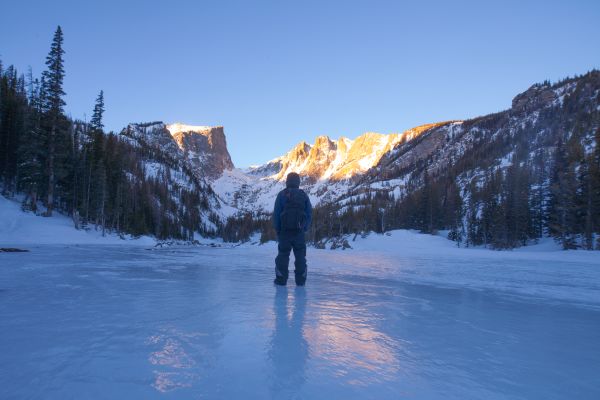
{"x": 25, "y": 228}
{"x": 399, "y": 316}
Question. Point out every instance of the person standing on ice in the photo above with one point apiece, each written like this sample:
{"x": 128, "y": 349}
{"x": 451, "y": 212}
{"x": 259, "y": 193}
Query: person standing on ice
{"x": 291, "y": 218}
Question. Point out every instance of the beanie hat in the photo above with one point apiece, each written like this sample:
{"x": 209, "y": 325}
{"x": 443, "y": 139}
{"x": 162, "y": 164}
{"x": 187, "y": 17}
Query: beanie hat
{"x": 292, "y": 180}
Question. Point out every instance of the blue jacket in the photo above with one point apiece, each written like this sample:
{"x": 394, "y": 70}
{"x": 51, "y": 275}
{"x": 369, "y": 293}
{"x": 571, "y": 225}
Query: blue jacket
{"x": 280, "y": 204}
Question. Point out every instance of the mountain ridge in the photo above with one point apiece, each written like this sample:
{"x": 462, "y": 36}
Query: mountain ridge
{"x": 453, "y": 175}
{"x": 377, "y": 174}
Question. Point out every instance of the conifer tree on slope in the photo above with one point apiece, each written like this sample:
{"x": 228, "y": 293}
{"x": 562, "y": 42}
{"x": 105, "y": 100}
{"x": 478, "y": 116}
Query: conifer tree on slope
{"x": 30, "y": 147}
{"x": 595, "y": 176}
{"x": 96, "y": 121}
{"x": 53, "y": 107}
{"x": 13, "y": 112}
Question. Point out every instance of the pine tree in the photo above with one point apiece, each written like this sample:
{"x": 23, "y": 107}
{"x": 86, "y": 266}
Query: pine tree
{"x": 427, "y": 202}
{"x": 562, "y": 219}
{"x": 96, "y": 121}
{"x": 584, "y": 204}
{"x": 53, "y": 107}
{"x": 13, "y": 115}
{"x": 453, "y": 207}
{"x": 594, "y": 188}
{"x": 31, "y": 148}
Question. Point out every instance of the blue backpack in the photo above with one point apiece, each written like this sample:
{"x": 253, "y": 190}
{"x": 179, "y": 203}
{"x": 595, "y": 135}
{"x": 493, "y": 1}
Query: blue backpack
{"x": 293, "y": 216}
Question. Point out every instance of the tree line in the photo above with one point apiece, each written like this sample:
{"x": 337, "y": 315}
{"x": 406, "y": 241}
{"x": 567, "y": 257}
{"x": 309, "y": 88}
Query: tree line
{"x": 56, "y": 163}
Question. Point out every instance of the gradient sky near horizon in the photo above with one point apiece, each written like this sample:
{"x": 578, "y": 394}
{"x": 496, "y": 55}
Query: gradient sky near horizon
{"x": 274, "y": 73}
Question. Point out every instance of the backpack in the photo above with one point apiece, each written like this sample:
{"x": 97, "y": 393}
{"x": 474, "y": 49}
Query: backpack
{"x": 293, "y": 216}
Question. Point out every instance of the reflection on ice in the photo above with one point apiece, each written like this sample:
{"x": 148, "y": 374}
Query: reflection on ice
{"x": 344, "y": 337}
{"x": 177, "y": 355}
{"x": 167, "y": 381}
{"x": 173, "y": 355}
{"x": 337, "y": 338}
{"x": 288, "y": 350}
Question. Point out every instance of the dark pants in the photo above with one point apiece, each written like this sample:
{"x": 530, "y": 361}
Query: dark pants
{"x": 288, "y": 241}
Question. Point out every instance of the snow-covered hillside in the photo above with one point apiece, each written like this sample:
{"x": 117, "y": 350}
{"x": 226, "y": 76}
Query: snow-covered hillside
{"x": 18, "y": 228}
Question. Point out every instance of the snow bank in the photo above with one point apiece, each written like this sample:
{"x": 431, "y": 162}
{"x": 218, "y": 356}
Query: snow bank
{"x": 24, "y": 228}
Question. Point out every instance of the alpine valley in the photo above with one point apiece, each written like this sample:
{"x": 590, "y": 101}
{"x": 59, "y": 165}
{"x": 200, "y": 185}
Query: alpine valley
{"x": 501, "y": 180}
{"x": 497, "y": 180}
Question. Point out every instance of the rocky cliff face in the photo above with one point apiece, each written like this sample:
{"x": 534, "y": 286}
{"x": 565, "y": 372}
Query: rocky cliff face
{"x": 205, "y": 147}
{"x": 331, "y": 160}
{"x": 537, "y": 96}
{"x": 202, "y": 148}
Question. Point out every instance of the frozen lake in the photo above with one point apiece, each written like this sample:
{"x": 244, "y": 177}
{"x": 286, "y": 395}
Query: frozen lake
{"x": 103, "y": 321}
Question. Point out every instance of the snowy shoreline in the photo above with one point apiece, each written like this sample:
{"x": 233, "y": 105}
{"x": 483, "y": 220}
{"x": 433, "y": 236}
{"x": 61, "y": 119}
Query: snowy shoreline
{"x": 19, "y": 228}
{"x": 541, "y": 270}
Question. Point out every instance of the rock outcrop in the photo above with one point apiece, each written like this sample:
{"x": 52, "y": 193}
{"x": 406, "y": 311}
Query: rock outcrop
{"x": 205, "y": 147}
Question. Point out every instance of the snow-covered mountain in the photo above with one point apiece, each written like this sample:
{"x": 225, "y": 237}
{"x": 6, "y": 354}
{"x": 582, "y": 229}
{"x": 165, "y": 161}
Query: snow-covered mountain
{"x": 334, "y": 160}
{"x": 374, "y": 172}
{"x": 183, "y": 159}
{"x": 202, "y": 148}
{"x": 329, "y": 168}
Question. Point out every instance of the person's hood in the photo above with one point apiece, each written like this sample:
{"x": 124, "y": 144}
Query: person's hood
{"x": 292, "y": 180}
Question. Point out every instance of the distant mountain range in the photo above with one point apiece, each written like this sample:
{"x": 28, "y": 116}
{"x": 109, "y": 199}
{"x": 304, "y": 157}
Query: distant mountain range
{"x": 344, "y": 173}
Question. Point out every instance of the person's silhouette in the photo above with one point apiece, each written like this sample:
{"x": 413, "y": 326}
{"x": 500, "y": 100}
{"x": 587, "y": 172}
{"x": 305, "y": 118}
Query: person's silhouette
{"x": 292, "y": 216}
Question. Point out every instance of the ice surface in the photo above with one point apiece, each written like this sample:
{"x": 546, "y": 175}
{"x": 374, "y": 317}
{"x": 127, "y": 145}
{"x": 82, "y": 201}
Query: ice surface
{"x": 400, "y": 316}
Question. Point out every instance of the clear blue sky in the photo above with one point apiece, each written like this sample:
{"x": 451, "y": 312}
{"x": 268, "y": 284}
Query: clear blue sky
{"x": 274, "y": 73}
